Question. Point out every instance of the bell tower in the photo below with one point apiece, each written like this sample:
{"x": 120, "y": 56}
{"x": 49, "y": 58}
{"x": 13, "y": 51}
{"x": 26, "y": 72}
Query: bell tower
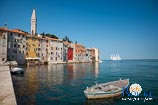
{"x": 33, "y": 22}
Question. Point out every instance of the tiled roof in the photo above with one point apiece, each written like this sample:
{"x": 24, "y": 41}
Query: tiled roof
{"x": 19, "y": 31}
{"x": 14, "y": 31}
{"x": 79, "y": 45}
{"x": 4, "y": 29}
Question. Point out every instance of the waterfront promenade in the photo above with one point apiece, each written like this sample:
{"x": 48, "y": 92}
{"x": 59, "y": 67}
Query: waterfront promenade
{"x": 7, "y": 95}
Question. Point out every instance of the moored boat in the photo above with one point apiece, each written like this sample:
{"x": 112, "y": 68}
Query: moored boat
{"x": 17, "y": 70}
{"x": 106, "y": 90}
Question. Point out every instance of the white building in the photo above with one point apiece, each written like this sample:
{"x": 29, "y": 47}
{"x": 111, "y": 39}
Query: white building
{"x": 55, "y": 51}
{"x": 96, "y": 54}
{"x": 44, "y": 50}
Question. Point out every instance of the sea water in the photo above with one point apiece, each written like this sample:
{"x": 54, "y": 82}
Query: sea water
{"x": 63, "y": 84}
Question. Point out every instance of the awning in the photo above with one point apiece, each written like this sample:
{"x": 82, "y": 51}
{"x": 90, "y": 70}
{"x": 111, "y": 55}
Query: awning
{"x": 29, "y": 58}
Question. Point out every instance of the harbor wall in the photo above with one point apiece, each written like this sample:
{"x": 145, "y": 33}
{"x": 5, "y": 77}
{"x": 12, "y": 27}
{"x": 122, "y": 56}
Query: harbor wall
{"x": 7, "y": 95}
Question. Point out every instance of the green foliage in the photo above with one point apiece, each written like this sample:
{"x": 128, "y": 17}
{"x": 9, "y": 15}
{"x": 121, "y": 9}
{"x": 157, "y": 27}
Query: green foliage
{"x": 66, "y": 38}
{"x": 49, "y": 35}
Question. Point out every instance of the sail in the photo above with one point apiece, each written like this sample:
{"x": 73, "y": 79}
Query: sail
{"x": 115, "y": 57}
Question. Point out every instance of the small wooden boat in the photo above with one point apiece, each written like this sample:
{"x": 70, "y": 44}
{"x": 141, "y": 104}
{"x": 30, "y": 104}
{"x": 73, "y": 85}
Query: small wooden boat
{"x": 106, "y": 90}
{"x": 17, "y": 70}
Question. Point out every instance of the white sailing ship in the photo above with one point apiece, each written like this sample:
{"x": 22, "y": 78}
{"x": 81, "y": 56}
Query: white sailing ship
{"x": 115, "y": 57}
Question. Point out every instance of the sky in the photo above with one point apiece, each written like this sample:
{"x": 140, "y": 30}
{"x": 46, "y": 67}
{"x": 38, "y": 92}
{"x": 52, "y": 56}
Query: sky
{"x": 127, "y": 27}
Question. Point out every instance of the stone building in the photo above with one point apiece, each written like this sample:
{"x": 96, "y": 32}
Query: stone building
{"x": 94, "y": 54}
{"x": 3, "y": 44}
{"x": 88, "y": 55}
{"x": 55, "y": 51}
{"x": 33, "y": 49}
{"x": 80, "y": 53}
{"x": 69, "y": 52}
{"x": 43, "y": 50}
{"x": 20, "y": 46}
{"x": 16, "y": 46}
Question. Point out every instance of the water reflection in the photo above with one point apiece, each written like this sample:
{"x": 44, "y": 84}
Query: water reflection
{"x": 31, "y": 79}
{"x": 96, "y": 69}
{"x": 64, "y": 84}
{"x": 53, "y": 83}
{"x": 55, "y": 74}
{"x": 77, "y": 71}
{"x": 110, "y": 101}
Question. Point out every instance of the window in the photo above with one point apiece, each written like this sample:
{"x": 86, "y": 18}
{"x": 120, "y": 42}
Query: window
{"x": 15, "y": 51}
{"x": 12, "y": 57}
{"x": 4, "y": 37}
{"x": 3, "y": 59}
{"x": 14, "y": 45}
{"x": 11, "y": 34}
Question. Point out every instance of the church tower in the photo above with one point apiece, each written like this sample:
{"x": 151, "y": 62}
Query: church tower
{"x": 33, "y": 22}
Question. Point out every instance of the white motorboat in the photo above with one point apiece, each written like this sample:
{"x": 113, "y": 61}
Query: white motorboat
{"x": 17, "y": 70}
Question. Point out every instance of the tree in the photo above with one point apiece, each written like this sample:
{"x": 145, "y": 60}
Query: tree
{"x": 75, "y": 42}
{"x": 66, "y": 38}
{"x": 42, "y": 33}
{"x": 49, "y": 35}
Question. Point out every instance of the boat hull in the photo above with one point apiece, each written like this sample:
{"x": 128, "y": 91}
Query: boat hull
{"x": 100, "y": 96}
{"x": 17, "y": 71}
{"x": 116, "y": 90}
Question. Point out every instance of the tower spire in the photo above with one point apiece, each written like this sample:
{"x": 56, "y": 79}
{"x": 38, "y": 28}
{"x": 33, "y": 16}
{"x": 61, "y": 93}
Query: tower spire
{"x": 33, "y": 22}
